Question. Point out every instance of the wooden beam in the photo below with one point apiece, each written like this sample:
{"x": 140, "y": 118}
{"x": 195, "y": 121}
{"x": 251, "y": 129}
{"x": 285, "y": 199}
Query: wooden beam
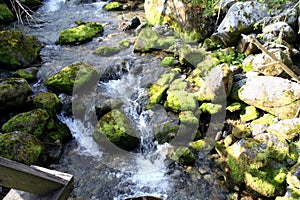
{"x": 35, "y": 180}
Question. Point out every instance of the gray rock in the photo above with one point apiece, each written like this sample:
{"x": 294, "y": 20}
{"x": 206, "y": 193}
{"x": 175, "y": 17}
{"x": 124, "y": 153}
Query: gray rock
{"x": 280, "y": 29}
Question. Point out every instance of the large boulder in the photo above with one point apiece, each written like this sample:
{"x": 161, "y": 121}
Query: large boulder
{"x": 33, "y": 122}
{"x": 5, "y": 14}
{"x": 192, "y": 17}
{"x": 83, "y": 32}
{"x": 240, "y": 18}
{"x": 13, "y": 93}
{"x": 72, "y": 77}
{"x": 47, "y": 101}
{"x": 116, "y": 128}
{"x": 275, "y": 95}
{"x": 18, "y": 50}
{"x": 22, "y": 147}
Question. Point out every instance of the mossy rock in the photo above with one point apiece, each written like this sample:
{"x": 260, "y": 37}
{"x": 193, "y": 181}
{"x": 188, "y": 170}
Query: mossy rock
{"x": 250, "y": 113}
{"x": 18, "y": 50}
{"x": 191, "y": 56}
{"x": 182, "y": 155}
{"x": 82, "y": 33}
{"x": 125, "y": 43}
{"x": 29, "y": 74}
{"x": 188, "y": 118}
{"x": 149, "y": 40}
{"x": 168, "y": 61}
{"x": 167, "y": 133}
{"x": 22, "y": 147}
{"x": 6, "y": 14}
{"x": 241, "y": 131}
{"x": 210, "y": 108}
{"x": 73, "y": 77}
{"x": 115, "y": 127}
{"x": 13, "y": 93}
{"x": 47, "y": 101}
{"x": 198, "y": 145}
{"x": 178, "y": 100}
{"x": 266, "y": 119}
{"x": 235, "y": 106}
{"x": 107, "y": 51}
{"x": 113, "y": 6}
{"x": 33, "y": 122}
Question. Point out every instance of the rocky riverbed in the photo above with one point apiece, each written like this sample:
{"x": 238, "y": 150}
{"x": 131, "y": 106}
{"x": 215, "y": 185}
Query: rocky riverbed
{"x": 144, "y": 98}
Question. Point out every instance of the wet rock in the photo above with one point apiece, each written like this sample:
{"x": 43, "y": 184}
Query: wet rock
{"x": 47, "y": 101}
{"x": 33, "y": 122}
{"x": 6, "y": 14}
{"x": 149, "y": 40}
{"x": 275, "y": 95}
{"x": 131, "y": 24}
{"x": 18, "y": 50}
{"x": 22, "y": 147}
{"x": 167, "y": 132}
{"x": 113, "y": 6}
{"x": 182, "y": 155}
{"x": 75, "y": 77}
{"x": 13, "y": 93}
{"x": 29, "y": 74}
{"x": 240, "y": 18}
{"x": 125, "y": 43}
{"x": 115, "y": 127}
{"x": 144, "y": 198}
{"x": 85, "y": 31}
{"x": 107, "y": 51}
{"x": 287, "y": 129}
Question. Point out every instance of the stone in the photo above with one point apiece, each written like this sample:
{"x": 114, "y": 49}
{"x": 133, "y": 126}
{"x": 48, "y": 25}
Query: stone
{"x": 280, "y": 29}
{"x": 210, "y": 108}
{"x": 125, "y": 43}
{"x": 115, "y": 127}
{"x": 182, "y": 155}
{"x": 113, "y": 6}
{"x": 168, "y": 61}
{"x": 250, "y": 113}
{"x": 13, "y": 93}
{"x": 287, "y": 129}
{"x": 33, "y": 122}
{"x": 47, "y": 101}
{"x": 293, "y": 179}
{"x": 278, "y": 96}
{"x": 22, "y": 147}
{"x": 83, "y": 32}
{"x": 235, "y": 106}
{"x": 29, "y": 74}
{"x": 75, "y": 77}
{"x": 240, "y": 18}
{"x": 107, "y": 51}
{"x": 6, "y": 14}
{"x": 18, "y": 50}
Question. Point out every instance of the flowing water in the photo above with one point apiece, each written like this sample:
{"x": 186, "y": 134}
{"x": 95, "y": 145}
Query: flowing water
{"x": 100, "y": 174}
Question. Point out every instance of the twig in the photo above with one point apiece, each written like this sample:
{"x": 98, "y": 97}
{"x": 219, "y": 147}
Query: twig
{"x": 264, "y": 50}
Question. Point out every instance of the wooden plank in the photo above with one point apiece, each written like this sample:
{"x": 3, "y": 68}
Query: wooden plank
{"x": 22, "y": 177}
{"x": 60, "y": 194}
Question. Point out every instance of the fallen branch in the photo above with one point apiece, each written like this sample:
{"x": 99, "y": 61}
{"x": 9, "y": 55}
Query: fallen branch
{"x": 19, "y": 9}
{"x": 253, "y": 40}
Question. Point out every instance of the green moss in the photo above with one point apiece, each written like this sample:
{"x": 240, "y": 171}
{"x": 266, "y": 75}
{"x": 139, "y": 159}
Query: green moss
{"x": 178, "y": 100}
{"x": 13, "y": 92}
{"x": 125, "y": 43}
{"x": 167, "y": 133}
{"x": 249, "y": 114}
{"x": 260, "y": 185}
{"x": 33, "y": 122}
{"x": 191, "y": 56}
{"x": 117, "y": 129}
{"x": 5, "y": 14}
{"x": 73, "y": 77}
{"x": 266, "y": 119}
{"x": 113, "y": 6}
{"x": 107, "y": 51}
{"x": 168, "y": 61}
{"x": 18, "y": 50}
{"x": 241, "y": 131}
{"x": 82, "y": 33}
{"x": 47, "y": 101}
{"x": 156, "y": 93}
{"x": 210, "y": 108}
{"x": 28, "y": 74}
{"x": 22, "y": 147}
{"x": 183, "y": 155}
{"x": 236, "y": 106}
{"x": 188, "y": 118}
{"x": 197, "y": 145}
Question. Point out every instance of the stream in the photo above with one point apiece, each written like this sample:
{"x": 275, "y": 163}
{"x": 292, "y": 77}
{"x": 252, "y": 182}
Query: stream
{"x": 100, "y": 174}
